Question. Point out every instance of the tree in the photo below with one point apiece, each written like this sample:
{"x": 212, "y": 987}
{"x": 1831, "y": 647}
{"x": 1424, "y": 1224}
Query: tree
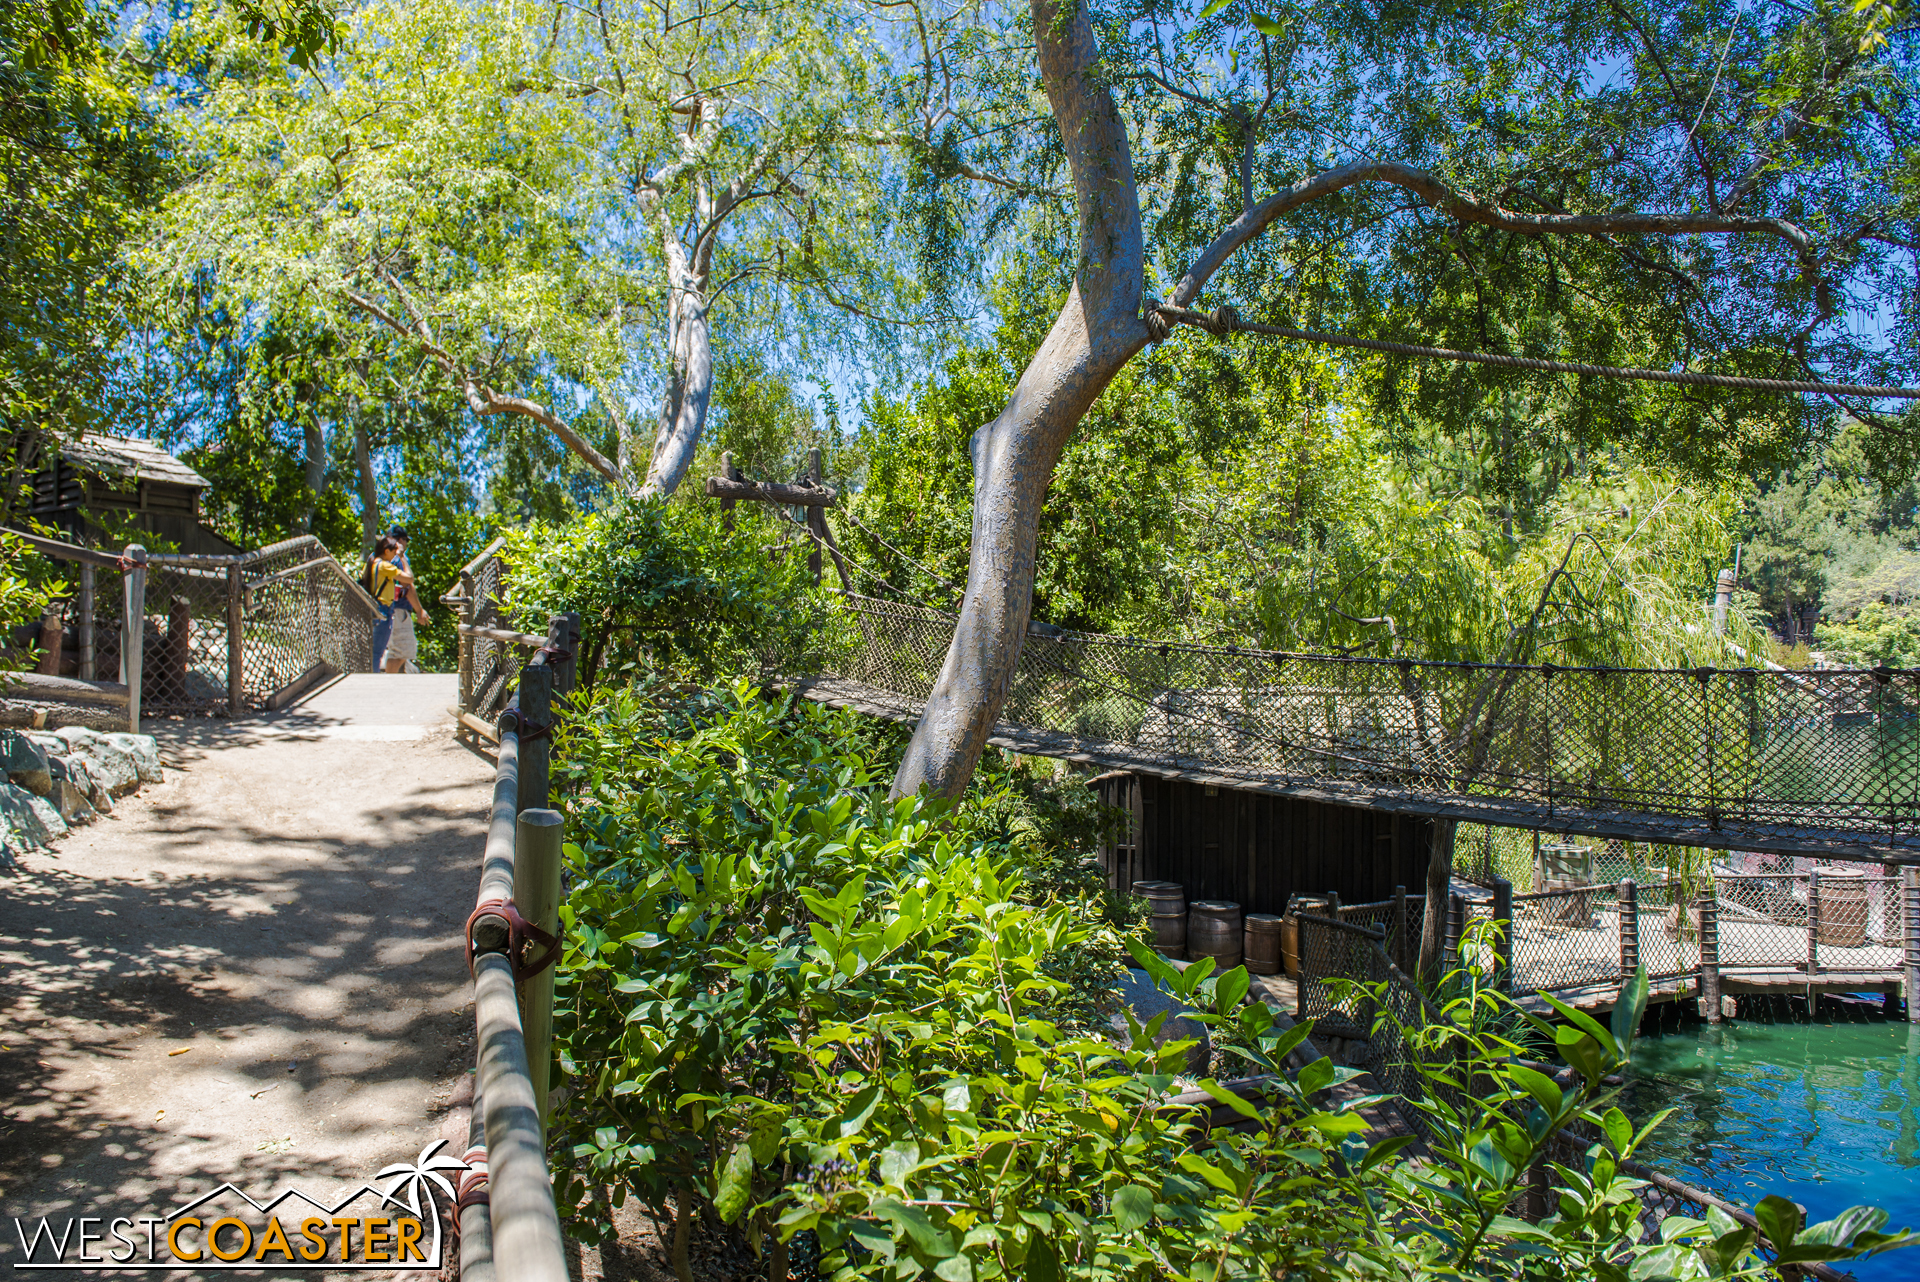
{"x": 1489, "y": 99}
{"x": 519, "y": 195}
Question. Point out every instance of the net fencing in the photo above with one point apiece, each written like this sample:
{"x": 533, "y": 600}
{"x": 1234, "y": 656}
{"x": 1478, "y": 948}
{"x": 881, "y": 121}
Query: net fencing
{"x": 218, "y": 634}
{"x": 1703, "y": 757}
{"x": 489, "y": 666}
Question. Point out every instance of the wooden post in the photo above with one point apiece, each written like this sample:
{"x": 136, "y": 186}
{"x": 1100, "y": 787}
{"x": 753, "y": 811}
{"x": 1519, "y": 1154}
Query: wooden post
{"x": 1456, "y": 918}
{"x": 86, "y": 621}
{"x": 1503, "y": 934}
{"x": 134, "y": 639}
{"x": 1813, "y": 930}
{"x": 732, "y": 471}
{"x": 536, "y": 893}
{"x": 469, "y": 614}
{"x": 236, "y": 641}
{"x": 536, "y": 745}
{"x": 1709, "y": 905}
{"x": 1627, "y": 907}
{"x": 1401, "y": 928}
{"x": 1910, "y": 980}
{"x": 53, "y": 638}
{"x": 563, "y": 633}
{"x": 816, "y": 518}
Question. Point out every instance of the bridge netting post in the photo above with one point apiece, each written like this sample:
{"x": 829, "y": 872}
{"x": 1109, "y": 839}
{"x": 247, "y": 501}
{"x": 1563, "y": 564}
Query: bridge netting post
{"x": 1503, "y": 934}
{"x": 1709, "y": 909}
{"x": 1628, "y": 911}
{"x": 1910, "y": 978}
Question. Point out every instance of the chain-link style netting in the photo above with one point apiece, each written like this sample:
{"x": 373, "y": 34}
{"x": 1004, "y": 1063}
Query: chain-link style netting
{"x": 1811, "y": 759}
{"x": 492, "y": 665}
{"x": 1566, "y": 939}
{"x": 1397, "y": 1037}
{"x": 296, "y": 608}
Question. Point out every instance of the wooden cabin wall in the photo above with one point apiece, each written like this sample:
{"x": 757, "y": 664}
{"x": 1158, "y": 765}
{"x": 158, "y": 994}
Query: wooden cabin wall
{"x": 1256, "y": 849}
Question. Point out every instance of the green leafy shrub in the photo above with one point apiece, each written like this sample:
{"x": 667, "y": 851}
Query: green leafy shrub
{"x": 793, "y": 1005}
{"x": 666, "y": 583}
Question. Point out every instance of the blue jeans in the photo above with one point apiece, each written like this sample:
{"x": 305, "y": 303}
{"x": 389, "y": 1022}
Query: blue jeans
{"x": 382, "y": 632}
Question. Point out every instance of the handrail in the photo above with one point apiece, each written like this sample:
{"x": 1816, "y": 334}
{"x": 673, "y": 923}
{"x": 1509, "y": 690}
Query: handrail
{"x": 67, "y": 551}
{"x": 517, "y": 1234}
{"x": 492, "y": 549}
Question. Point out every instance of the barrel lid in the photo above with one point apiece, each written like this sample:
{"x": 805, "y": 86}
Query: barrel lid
{"x": 1214, "y": 906}
{"x": 1264, "y": 919}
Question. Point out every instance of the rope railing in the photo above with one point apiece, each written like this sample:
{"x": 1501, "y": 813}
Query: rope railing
{"x": 508, "y": 1224}
{"x": 1822, "y": 762}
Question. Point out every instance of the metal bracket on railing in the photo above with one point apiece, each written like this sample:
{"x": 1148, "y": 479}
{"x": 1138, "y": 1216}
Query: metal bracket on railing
{"x": 519, "y": 931}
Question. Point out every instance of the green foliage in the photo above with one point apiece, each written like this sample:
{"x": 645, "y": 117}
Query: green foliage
{"x": 27, "y": 586}
{"x": 803, "y": 1007}
{"x": 663, "y": 581}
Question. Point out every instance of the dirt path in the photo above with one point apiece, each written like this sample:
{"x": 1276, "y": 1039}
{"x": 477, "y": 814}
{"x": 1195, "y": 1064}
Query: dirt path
{"x": 250, "y": 972}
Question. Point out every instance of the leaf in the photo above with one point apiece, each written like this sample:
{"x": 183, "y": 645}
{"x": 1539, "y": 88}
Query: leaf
{"x": 1627, "y": 1010}
{"x": 1539, "y": 1085}
{"x": 854, "y": 1117}
{"x": 1779, "y": 1219}
{"x": 1231, "y": 1100}
{"x": 1266, "y": 25}
{"x": 1231, "y": 989}
{"x": 1043, "y": 1262}
{"x": 1132, "y": 1208}
{"x": 1383, "y": 1150}
{"x": 1315, "y": 1077}
{"x": 1218, "y": 5}
{"x": 735, "y": 1184}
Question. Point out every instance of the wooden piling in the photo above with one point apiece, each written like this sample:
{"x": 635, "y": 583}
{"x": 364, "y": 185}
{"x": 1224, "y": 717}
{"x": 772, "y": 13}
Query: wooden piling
{"x": 1910, "y": 976}
{"x": 536, "y": 744}
{"x": 133, "y": 641}
{"x": 85, "y": 621}
{"x": 1503, "y": 934}
{"x": 1813, "y": 929}
{"x": 236, "y": 640}
{"x": 536, "y": 892}
{"x": 1709, "y": 907}
{"x": 1627, "y": 908}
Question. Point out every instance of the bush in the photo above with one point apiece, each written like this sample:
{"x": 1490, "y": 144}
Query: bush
{"x": 794, "y": 1005}
{"x": 663, "y": 587}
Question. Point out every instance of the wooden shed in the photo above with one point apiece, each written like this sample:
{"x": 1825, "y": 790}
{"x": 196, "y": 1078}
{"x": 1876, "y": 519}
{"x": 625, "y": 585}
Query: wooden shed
{"x": 1257, "y": 849}
{"x": 131, "y": 478}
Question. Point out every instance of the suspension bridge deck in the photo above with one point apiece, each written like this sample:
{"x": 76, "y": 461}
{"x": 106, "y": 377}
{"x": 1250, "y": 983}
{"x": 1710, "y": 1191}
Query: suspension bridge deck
{"x": 1819, "y": 763}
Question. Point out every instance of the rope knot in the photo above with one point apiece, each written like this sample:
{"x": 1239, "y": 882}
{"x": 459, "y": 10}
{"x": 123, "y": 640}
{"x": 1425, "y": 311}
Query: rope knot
{"x": 1157, "y": 326}
{"x": 1225, "y": 320}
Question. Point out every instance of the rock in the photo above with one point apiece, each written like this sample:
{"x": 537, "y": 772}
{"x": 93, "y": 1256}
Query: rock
{"x": 1145, "y": 999}
{"x": 24, "y": 762}
{"x": 112, "y": 769}
{"x": 76, "y": 736}
{"x": 73, "y": 804}
{"x": 145, "y": 752}
{"x": 51, "y": 744}
{"x": 29, "y": 821}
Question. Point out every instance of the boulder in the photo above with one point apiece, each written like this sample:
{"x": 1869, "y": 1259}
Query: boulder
{"x": 111, "y": 768}
{"x": 28, "y": 821}
{"x": 74, "y": 805}
{"x": 145, "y": 752}
{"x": 50, "y": 744}
{"x": 1138, "y": 993}
{"x": 24, "y": 762}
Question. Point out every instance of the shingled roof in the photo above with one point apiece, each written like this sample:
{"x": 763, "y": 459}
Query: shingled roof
{"x": 127, "y": 456}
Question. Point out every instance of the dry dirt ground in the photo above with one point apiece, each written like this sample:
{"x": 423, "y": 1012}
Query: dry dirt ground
{"x": 250, "y": 972}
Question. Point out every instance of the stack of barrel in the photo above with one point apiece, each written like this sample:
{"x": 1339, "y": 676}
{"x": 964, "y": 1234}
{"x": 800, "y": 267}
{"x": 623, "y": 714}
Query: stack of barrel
{"x": 1210, "y": 928}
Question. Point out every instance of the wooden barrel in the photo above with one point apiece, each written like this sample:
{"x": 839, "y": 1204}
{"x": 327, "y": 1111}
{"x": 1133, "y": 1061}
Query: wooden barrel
{"x": 1263, "y": 943}
{"x": 1168, "y": 902}
{"x": 1290, "y": 945}
{"x": 1214, "y": 930}
{"x": 1145, "y": 889}
{"x": 1843, "y": 909}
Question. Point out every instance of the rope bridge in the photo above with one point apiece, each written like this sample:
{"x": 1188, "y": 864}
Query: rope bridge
{"x": 1810, "y": 762}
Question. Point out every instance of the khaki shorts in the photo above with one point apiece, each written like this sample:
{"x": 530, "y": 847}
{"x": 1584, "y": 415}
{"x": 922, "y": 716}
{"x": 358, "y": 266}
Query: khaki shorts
{"x": 403, "y": 644}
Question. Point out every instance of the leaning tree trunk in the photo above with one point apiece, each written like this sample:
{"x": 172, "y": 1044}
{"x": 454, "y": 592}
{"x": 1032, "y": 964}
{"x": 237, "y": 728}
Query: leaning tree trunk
{"x": 369, "y": 492}
{"x": 1433, "y": 921}
{"x": 683, "y": 406}
{"x": 314, "y": 471}
{"x": 1096, "y": 333}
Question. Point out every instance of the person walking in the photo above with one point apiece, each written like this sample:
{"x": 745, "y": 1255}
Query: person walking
{"x": 385, "y": 581}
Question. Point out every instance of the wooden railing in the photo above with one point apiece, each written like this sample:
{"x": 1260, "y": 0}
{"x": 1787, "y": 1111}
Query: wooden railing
{"x": 508, "y": 1223}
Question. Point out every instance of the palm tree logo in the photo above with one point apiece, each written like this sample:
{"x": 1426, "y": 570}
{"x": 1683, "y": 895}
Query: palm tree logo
{"x": 422, "y": 1175}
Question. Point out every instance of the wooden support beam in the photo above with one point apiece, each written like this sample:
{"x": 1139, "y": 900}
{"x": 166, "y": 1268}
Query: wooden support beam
{"x": 39, "y": 685}
{"x": 720, "y": 487}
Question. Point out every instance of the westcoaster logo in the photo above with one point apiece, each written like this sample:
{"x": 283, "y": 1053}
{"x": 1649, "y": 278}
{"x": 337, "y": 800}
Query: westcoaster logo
{"x": 398, "y": 1230}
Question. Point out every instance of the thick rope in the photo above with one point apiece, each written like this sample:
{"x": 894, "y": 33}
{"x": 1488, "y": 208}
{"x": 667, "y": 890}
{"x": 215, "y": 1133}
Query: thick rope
{"x": 1226, "y": 321}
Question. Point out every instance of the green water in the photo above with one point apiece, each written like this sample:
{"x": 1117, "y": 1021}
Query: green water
{"x": 1825, "y": 1114}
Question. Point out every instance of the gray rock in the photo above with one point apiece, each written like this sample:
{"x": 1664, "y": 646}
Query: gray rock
{"x": 145, "y": 752}
{"x": 73, "y": 804}
{"x": 75, "y": 736}
{"x": 24, "y": 762}
{"x": 29, "y": 821}
{"x": 111, "y": 768}
{"x": 1138, "y": 993}
{"x": 51, "y": 744}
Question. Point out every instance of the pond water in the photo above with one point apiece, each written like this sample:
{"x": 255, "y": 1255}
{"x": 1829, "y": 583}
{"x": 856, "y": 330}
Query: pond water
{"x": 1824, "y": 1113}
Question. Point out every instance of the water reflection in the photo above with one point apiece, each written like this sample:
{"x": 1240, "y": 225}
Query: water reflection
{"x": 1826, "y": 1114}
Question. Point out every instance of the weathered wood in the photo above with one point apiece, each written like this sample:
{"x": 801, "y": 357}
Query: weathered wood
{"x": 53, "y": 638}
{"x": 84, "y": 623}
{"x": 1709, "y": 905}
{"x": 236, "y": 640}
{"x": 485, "y": 729}
{"x": 302, "y": 686}
{"x": 67, "y": 551}
{"x": 720, "y": 487}
{"x": 536, "y": 893}
{"x": 1910, "y": 970}
{"x": 39, "y": 685}
{"x": 535, "y": 701}
{"x": 1813, "y": 923}
{"x": 1503, "y": 941}
{"x": 133, "y": 641}
{"x": 1628, "y": 911}
{"x": 507, "y": 635}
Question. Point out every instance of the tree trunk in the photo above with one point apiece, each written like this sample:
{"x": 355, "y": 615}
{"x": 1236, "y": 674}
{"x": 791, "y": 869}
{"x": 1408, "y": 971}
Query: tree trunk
{"x": 1433, "y": 923}
{"x": 369, "y": 493}
{"x": 683, "y": 406}
{"x": 314, "y": 471}
{"x": 1096, "y": 334}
